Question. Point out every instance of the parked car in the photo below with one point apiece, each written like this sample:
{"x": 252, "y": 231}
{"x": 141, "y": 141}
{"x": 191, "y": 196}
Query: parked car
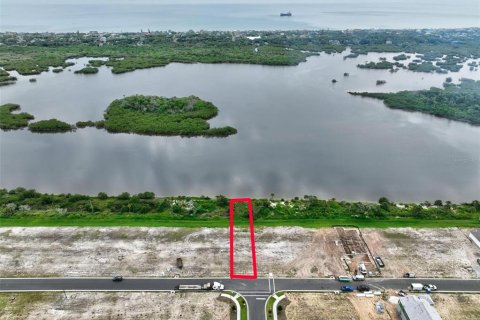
{"x": 346, "y": 288}
{"x": 363, "y": 288}
{"x": 409, "y": 275}
{"x": 117, "y": 278}
{"x": 430, "y": 287}
{"x": 402, "y": 293}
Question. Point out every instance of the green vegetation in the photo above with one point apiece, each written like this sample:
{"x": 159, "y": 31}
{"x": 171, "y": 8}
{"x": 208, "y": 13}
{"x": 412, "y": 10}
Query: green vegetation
{"x": 148, "y": 115}
{"x": 83, "y": 124}
{"x": 456, "y": 102}
{"x": 18, "y": 304}
{"x": 13, "y": 121}
{"x": 5, "y": 78}
{"x": 87, "y": 70}
{"x": 96, "y": 63}
{"x": 49, "y": 126}
{"x": 21, "y": 207}
{"x": 402, "y": 56}
{"x": 153, "y": 115}
{"x": 131, "y": 51}
{"x": 378, "y": 65}
{"x": 424, "y": 67}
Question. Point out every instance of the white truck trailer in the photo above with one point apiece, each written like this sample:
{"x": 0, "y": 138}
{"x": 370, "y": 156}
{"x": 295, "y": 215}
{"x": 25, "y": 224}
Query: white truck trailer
{"x": 416, "y": 287}
{"x": 207, "y": 286}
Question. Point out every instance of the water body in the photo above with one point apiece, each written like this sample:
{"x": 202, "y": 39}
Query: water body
{"x": 115, "y": 16}
{"x": 298, "y": 133}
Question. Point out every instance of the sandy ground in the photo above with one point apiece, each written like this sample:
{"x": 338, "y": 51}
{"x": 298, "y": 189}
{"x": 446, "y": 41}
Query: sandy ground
{"x": 284, "y": 251}
{"x": 84, "y": 305}
{"x": 428, "y": 252}
{"x": 309, "y": 306}
{"x": 458, "y": 306}
{"x": 328, "y": 306}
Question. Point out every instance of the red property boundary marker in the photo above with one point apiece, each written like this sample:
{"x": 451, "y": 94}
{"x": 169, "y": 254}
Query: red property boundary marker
{"x": 252, "y": 240}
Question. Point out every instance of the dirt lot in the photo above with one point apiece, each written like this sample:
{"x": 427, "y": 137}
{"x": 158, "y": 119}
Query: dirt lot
{"x": 328, "y": 306}
{"x": 285, "y": 251}
{"x": 458, "y": 306}
{"x": 83, "y": 305}
{"x": 306, "y": 306}
{"x": 427, "y": 252}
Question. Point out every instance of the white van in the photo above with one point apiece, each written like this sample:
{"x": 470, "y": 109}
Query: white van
{"x": 359, "y": 277}
{"x": 362, "y": 268}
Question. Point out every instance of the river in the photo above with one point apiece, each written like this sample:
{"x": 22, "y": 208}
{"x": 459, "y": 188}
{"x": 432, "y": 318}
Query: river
{"x": 298, "y": 133}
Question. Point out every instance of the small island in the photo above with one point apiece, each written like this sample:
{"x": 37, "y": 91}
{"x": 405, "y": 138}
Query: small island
{"x": 146, "y": 115}
{"x": 50, "y": 126}
{"x": 13, "y": 121}
{"x": 87, "y": 70}
{"x": 460, "y": 102}
{"x": 154, "y": 115}
{"x": 6, "y": 78}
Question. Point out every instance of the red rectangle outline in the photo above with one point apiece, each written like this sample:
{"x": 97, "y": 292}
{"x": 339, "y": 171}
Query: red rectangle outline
{"x": 252, "y": 240}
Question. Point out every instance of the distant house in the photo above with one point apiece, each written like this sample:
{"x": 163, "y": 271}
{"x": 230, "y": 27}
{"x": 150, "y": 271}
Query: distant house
{"x": 475, "y": 236}
{"x": 417, "y": 308}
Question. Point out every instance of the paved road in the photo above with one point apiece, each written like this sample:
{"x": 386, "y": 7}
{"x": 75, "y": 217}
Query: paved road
{"x": 254, "y": 291}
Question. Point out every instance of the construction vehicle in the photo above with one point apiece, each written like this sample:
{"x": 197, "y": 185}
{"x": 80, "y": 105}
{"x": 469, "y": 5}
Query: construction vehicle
{"x": 207, "y": 286}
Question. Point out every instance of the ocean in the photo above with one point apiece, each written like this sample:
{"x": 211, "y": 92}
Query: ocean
{"x": 70, "y": 16}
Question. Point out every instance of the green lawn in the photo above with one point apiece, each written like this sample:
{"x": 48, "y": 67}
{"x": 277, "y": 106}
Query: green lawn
{"x": 152, "y": 220}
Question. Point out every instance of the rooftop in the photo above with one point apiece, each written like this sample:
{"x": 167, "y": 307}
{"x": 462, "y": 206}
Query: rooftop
{"x": 418, "y": 308}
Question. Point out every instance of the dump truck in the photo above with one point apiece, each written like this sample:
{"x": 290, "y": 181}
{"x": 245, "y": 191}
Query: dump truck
{"x": 207, "y": 286}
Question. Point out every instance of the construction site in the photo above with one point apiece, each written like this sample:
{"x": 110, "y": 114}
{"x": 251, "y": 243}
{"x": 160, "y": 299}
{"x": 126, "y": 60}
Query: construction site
{"x": 283, "y": 251}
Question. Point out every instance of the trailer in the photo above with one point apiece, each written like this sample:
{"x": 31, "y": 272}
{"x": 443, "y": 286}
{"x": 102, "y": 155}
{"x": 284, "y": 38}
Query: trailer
{"x": 217, "y": 286}
{"x": 416, "y": 287}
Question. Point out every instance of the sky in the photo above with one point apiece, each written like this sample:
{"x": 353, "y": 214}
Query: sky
{"x": 359, "y": 2}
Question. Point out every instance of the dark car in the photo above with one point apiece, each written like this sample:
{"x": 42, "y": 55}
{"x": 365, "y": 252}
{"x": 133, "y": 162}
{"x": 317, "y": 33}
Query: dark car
{"x": 117, "y": 278}
{"x": 363, "y": 288}
{"x": 346, "y": 288}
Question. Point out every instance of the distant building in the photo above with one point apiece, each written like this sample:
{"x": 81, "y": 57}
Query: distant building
{"x": 475, "y": 236}
{"x": 417, "y": 308}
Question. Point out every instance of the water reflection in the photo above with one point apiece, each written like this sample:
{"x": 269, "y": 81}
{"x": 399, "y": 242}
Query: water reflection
{"x": 298, "y": 134}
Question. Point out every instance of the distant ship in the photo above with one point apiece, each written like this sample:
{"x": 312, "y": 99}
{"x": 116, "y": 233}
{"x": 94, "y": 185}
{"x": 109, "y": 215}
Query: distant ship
{"x": 286, "y": 14}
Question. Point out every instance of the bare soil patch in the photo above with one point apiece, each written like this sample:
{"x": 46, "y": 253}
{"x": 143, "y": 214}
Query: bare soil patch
{"x": 94, "y": 305}
{"x": 284, "y": 251}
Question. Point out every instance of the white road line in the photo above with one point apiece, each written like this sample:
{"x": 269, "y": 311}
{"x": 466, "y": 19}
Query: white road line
{"x": 261, "y": 298}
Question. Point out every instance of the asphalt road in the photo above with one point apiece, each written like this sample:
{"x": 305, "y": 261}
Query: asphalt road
{"x": 254, "y": 291}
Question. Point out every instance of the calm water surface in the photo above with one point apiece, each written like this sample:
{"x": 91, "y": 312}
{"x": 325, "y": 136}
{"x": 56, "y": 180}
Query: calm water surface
{"x": 297, "y": 134}
{"x": 102, "y": 15}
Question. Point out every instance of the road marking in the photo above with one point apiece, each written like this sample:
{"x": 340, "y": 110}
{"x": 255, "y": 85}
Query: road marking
{"x": 261, "y": 298}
